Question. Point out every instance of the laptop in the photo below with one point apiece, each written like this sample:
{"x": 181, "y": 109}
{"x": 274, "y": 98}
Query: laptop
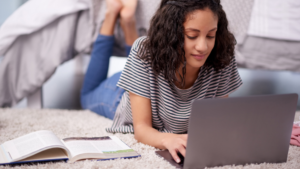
{"x": 238, "y": 131}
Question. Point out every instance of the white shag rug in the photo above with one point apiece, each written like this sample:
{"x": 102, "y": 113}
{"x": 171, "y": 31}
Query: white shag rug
{"x": 73, "y": 123}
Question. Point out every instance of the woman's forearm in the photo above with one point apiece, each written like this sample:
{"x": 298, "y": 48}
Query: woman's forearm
{"x": 151, "y": 136}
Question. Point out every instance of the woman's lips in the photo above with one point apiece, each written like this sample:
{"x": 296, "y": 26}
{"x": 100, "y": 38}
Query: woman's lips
{"x": 198, "y": 57}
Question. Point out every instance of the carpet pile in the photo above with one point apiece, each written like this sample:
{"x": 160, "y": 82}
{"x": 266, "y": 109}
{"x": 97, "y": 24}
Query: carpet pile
{"x": 81, "y": 123}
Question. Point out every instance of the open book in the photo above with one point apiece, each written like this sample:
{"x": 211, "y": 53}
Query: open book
{"x": 45, "y": 146}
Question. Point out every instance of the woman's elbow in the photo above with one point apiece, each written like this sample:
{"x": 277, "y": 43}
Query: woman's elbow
{"x": 139, "y": 132}
{"x": 137, "y": 135}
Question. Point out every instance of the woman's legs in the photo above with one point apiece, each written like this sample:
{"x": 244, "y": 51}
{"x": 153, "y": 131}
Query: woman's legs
{"x": 104, "y": 99}
{"x": 102, "y": 49}
{"x": 113, "y": 8}
{"x": 99, "y": 94}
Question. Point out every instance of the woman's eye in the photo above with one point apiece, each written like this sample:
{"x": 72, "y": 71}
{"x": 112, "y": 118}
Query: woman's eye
{"x": 211, "y": 37}
{"x": 192, "y": 37}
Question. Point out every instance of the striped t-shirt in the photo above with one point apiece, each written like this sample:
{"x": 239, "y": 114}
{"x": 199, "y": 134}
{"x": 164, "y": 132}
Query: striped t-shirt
{"x": 171, "y": 107}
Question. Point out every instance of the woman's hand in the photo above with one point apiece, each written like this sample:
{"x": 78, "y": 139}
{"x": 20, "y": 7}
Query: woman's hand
{"x": 176, "y": 143}
{"x": 145, "y": 133}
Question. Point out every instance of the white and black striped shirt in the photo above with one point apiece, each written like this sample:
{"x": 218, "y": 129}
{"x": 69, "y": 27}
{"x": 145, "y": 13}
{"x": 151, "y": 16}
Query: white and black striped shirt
{"x": 171, "y": 107}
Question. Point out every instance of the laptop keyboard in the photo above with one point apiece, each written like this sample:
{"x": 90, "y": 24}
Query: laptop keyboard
{"x": 181, "y": 159}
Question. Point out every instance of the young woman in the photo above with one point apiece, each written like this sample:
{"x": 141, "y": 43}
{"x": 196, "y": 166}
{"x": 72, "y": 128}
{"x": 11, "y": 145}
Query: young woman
{"x": 187, "y": 55}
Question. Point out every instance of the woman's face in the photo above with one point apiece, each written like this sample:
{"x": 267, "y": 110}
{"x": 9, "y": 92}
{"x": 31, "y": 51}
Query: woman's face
{"x": 200, "y": 30}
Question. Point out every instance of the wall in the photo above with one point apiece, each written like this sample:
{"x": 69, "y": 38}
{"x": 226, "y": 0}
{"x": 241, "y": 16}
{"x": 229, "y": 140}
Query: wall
{"x": 7, "y": 7}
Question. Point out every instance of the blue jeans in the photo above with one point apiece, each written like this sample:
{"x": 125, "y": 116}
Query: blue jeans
{"x": 99, "y": 93}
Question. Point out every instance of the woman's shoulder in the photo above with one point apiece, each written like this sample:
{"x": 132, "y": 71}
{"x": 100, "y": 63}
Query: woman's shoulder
{"x": 231, "y": 66}
{"x": 136, "y": 58}
{"x": 138, "y": 50}
{"x": 138, "y": 43}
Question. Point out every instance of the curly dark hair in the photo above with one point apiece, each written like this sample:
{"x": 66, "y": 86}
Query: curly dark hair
{"x": 164, "y": 47}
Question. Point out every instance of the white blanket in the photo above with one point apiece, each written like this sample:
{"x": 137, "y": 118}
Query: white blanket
{"x": 33, "y": 16}
{"x": 277, "y": 19}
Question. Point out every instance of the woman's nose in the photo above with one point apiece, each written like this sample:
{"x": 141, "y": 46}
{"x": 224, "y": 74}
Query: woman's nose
{"x": 201, "y": 45}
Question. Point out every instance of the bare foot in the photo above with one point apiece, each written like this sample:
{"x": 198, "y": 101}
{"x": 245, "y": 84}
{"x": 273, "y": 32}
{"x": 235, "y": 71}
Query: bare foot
{"x": 127, "y": 20}
{"x": 128, "y": 10}
{"x": 113, "y": 6}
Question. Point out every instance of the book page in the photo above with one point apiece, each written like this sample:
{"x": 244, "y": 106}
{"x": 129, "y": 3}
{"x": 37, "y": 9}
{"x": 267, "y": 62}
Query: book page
{"x": 110, "y": 145}
{"x": 55, "y": 153}
{"x": 3, "y": 156}
{"x": 26, "y": 145}
{"x": 81, "y": 145}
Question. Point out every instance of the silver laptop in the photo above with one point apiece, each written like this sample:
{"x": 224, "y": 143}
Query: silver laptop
{"x": 238, "y": 130}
